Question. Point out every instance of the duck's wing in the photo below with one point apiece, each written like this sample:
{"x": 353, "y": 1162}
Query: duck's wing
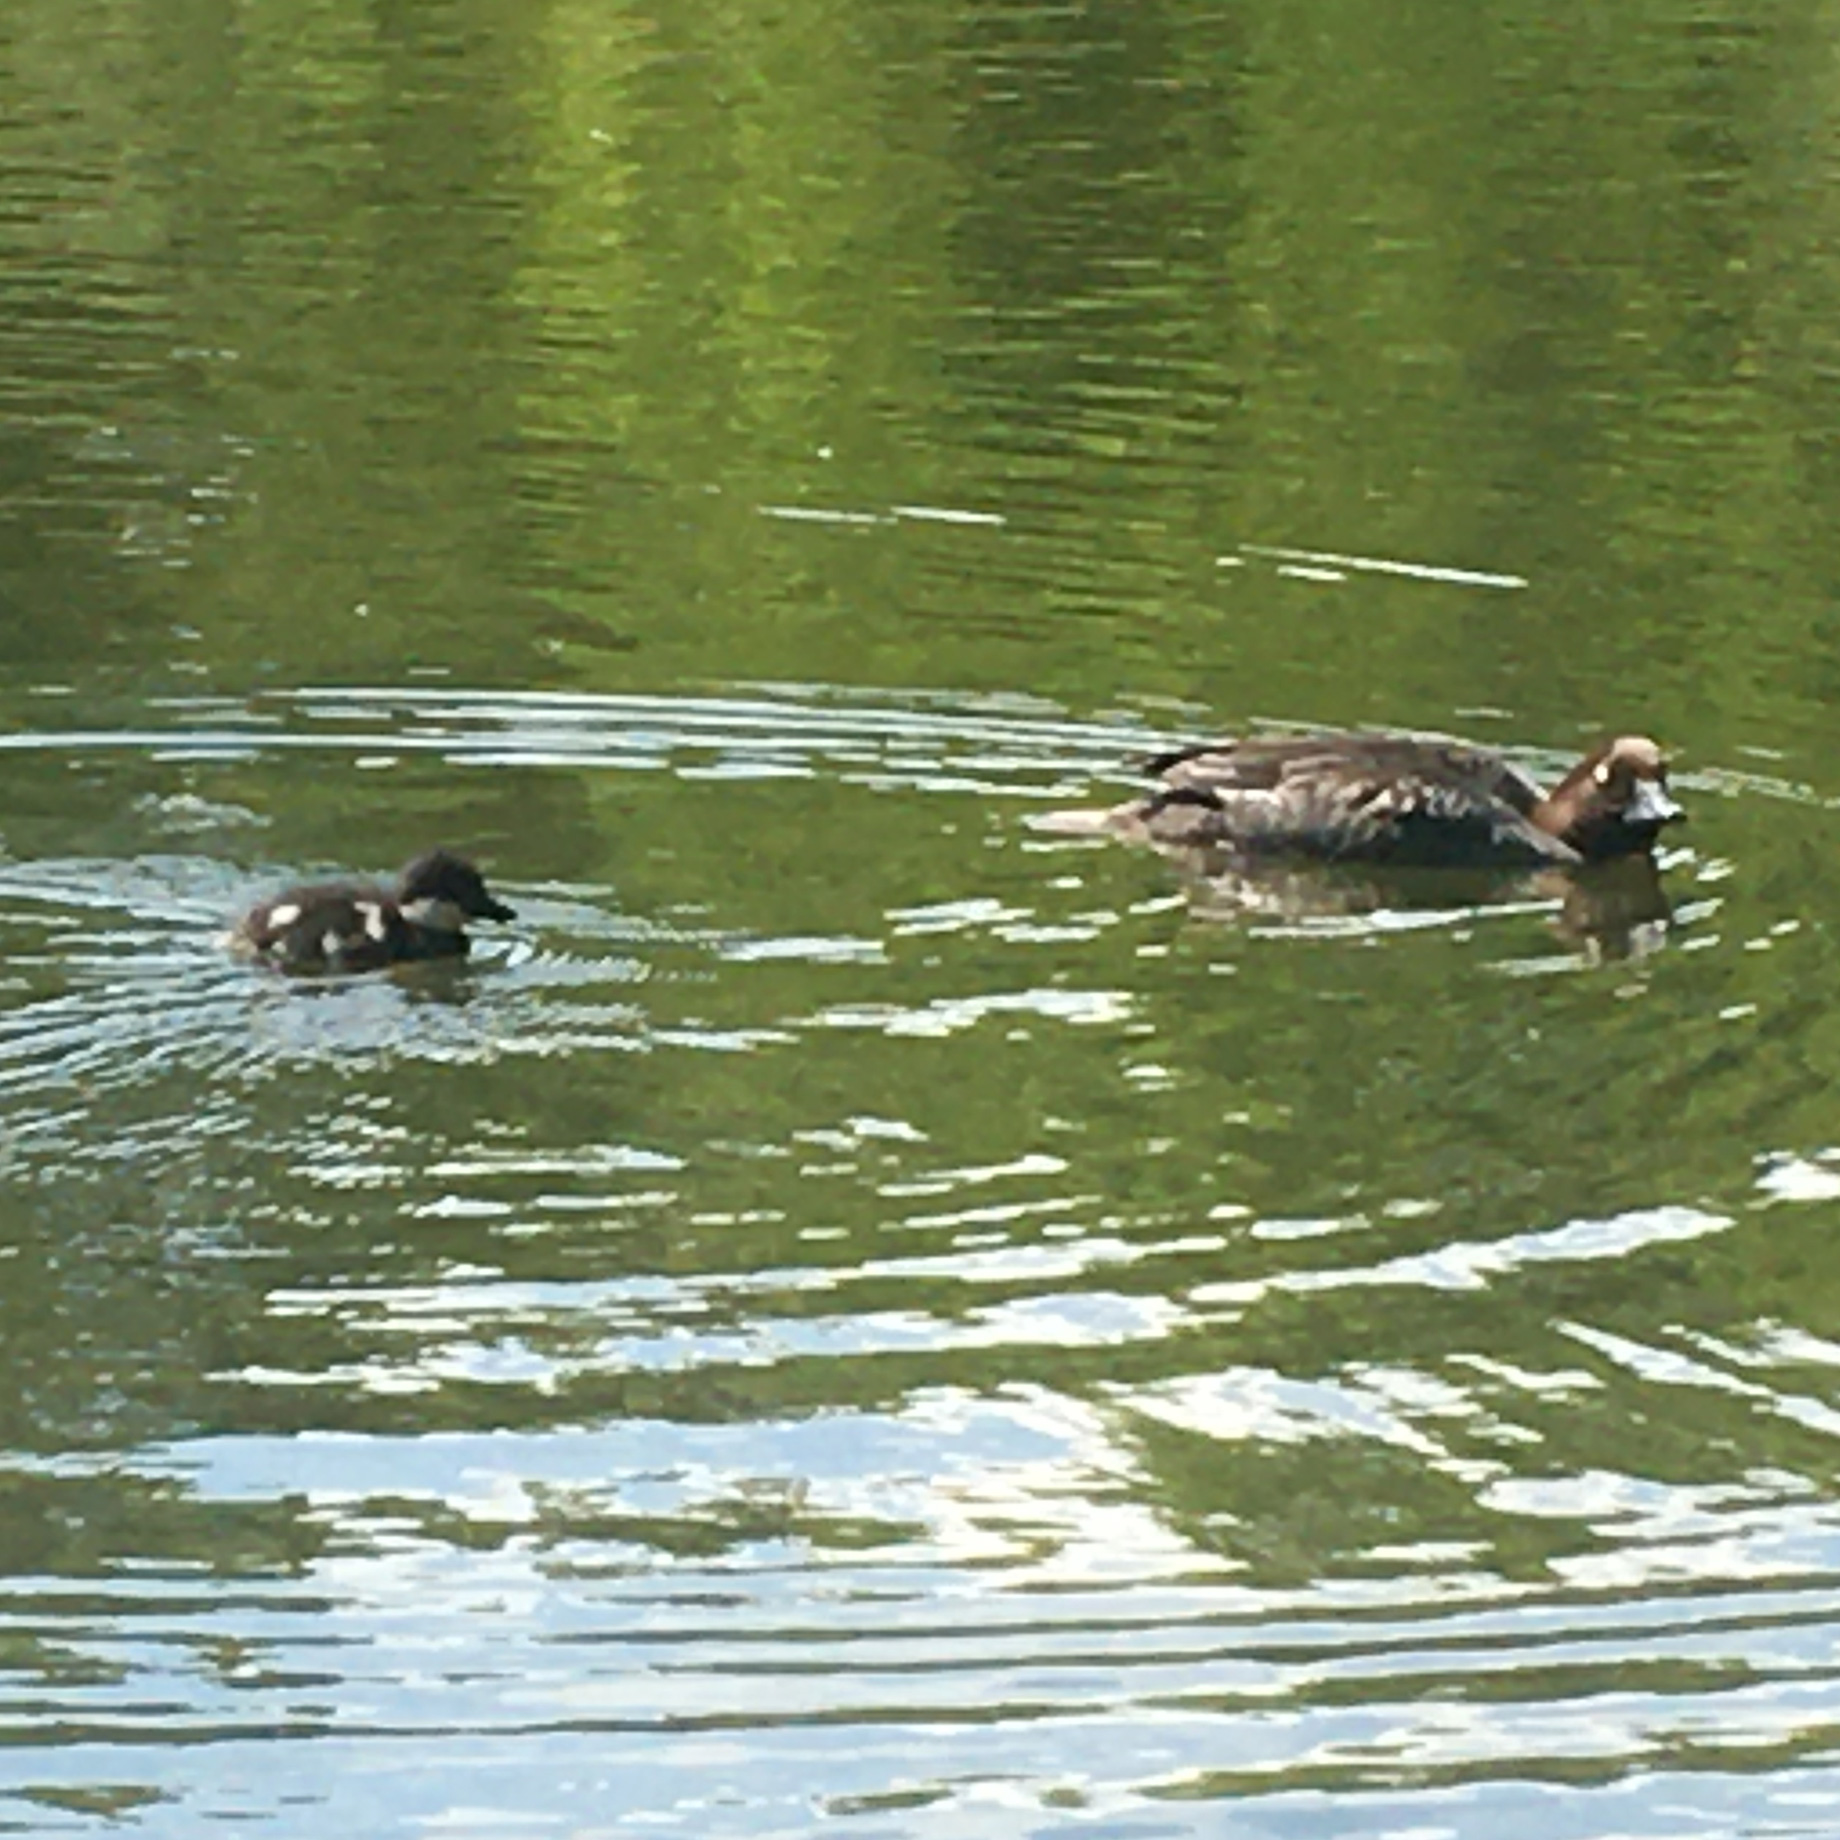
{"x": 317, "y": 928}
{"x": 1390, "y": 796}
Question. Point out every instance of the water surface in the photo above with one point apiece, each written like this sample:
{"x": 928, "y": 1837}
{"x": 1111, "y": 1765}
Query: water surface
{"x": 852, "y": 1311}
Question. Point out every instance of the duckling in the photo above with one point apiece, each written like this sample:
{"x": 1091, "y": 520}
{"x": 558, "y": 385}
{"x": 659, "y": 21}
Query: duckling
{"x": 360, "y": 926}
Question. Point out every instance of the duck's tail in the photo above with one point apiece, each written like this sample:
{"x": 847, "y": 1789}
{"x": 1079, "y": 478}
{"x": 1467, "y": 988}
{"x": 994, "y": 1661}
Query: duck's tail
{"x": 1087, "y": 821}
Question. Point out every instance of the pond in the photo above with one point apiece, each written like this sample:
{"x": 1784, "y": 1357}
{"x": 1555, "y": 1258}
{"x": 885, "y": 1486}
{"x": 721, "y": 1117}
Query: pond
{"x": 852, "y": 1310}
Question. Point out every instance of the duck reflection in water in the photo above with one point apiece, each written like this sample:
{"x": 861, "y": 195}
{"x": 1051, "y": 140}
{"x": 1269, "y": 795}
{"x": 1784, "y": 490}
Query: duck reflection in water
{"x": 1324, "y": 825}
{"x": 1609, "y": 910}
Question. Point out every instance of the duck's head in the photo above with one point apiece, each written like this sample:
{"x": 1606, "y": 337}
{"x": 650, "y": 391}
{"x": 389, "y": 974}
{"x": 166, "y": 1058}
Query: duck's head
{"x": 442, "y": 890}
{"x": 1614, "y": 802}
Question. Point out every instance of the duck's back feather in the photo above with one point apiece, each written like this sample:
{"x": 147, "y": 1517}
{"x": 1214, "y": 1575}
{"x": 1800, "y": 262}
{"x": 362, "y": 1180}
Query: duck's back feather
{"x": 1394, "y": 798}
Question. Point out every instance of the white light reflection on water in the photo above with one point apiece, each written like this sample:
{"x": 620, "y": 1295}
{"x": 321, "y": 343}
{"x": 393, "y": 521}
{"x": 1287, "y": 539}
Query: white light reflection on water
{"x": 934, "y": 1350}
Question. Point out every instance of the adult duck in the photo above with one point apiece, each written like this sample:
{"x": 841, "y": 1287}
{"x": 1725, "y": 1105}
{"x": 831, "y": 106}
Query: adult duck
{"x": 1404, "y": 800}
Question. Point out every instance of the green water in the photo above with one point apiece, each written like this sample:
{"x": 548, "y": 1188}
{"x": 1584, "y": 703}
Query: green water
{"x": 852, "y": 1312}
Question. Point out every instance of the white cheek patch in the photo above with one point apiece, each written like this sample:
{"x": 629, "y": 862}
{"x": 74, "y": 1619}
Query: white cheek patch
{"x": 1650, "y": 803}
{"x": 283, "y": 916}
{"x": 1601, "y": 773}
{"x": 437, "y": 915}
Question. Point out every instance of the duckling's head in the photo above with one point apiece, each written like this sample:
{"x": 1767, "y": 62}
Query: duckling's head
{"x": 440, "y": 890}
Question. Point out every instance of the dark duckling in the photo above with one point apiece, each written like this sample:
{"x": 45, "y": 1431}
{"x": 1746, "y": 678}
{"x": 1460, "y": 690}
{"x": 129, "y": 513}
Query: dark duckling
{"x": 359, "y": 926}
{"x": 1408, "y": 801}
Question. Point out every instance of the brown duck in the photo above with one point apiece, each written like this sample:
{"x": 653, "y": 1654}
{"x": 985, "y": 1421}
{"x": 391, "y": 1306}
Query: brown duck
{"x": 1404, "y": 800}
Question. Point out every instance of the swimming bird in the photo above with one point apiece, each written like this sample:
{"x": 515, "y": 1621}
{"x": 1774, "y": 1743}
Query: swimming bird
{"x": 360, "y": 926}
{"x": 1398, "y": 799}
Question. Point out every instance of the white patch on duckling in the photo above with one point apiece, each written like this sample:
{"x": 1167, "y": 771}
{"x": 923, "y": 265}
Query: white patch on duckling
{"x": 374, "y": 925}
{"x": 283, "y": 916}
{"x": 436, "y": 914}
{"x": 331, "y": 944}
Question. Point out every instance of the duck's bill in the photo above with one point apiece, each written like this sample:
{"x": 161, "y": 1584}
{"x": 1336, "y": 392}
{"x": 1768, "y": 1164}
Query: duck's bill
{"x": 1652, "y": 806}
